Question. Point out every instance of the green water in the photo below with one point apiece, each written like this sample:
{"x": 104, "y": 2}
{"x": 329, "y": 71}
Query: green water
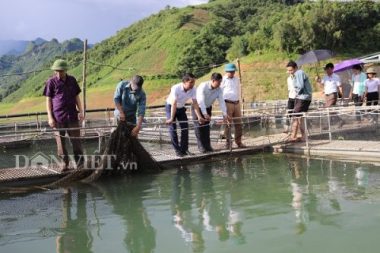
{"x": 260, "y": 203}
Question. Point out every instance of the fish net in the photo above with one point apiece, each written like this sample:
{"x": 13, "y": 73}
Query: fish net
{"x": 121, "y": 154}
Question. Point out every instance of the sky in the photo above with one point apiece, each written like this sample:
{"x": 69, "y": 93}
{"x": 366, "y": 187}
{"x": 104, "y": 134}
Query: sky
{"x": 65, "y": 19}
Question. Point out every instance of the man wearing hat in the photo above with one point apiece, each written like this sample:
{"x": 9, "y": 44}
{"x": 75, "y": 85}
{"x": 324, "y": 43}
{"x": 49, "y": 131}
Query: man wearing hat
{"x": 372, "y": 87}
{"x": 130, "y": 101}
{"x": 64, "y": 111}
{"x": 231, "y": 94}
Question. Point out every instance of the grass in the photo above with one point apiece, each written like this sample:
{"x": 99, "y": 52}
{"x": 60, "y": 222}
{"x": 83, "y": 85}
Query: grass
{"x": 263, "y": 78}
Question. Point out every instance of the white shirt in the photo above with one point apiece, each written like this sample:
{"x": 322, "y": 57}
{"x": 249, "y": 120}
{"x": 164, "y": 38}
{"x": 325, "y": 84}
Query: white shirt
{"x": 372, "y": 85}
{"x": 206, "y": 96}
{"x": 331, "y": 83}
{"x": 231, "y": 88}
{"x": 177, "y": 92}
{"x": 291, "y": 90}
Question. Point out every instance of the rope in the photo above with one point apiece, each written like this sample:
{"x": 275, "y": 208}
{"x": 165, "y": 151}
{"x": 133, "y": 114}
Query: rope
{"x": 24, "y": 73}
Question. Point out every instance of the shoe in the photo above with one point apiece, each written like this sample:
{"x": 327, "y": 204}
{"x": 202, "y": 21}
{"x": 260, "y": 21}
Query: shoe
{"x": 203, "y": 151}
{"x": 64, "y": 167}
{"x": 241, "y": 145}
{"x": 179, "y": 154}
{"x": 188, "y": 153}
{"x": 209, "y": 150}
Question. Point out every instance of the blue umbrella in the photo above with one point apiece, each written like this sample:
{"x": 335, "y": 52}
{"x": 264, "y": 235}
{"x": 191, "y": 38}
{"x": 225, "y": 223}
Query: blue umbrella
{"x": 347, "y": 64}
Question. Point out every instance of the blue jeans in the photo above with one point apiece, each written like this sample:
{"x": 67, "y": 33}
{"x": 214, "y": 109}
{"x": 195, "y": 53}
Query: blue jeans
{"x": 181, "y": 116}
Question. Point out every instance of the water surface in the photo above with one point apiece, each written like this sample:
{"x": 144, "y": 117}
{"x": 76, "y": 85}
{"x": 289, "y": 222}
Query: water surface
{"x": 260, "y": 203}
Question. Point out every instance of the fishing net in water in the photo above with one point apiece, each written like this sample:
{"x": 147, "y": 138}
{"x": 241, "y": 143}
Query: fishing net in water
{"x": 121, "y": 155}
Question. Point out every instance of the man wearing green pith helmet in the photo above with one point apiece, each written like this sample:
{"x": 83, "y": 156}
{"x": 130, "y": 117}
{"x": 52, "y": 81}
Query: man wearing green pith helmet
{"x": 65, "y": 111}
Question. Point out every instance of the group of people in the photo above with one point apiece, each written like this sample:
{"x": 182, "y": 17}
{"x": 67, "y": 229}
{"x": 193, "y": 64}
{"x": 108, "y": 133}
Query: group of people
{"x": 224, "y": 89}
{"x": 365, "y": 88}
{"x": 63, "y": 106}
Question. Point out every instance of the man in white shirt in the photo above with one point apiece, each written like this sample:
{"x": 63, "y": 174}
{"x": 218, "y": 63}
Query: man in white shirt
{"x": 231, "y": 94}
{"x": 176, "y": 110}
{"x": 291, "y": 100}
{"x": 207, "y": 93}
{"x": 331, "y": 85}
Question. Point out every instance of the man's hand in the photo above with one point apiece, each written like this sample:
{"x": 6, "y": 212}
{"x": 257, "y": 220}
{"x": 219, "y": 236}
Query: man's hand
{"x": 201, "y": 120}
{"x": 81, "y": 116}
{"x": 226, "y": 119}
{"x": 52, "y": 123}
{"x": 207, "y": 117}
{"x": 135, "y": 131}
{"x": 122, "y": 116}
{"x": 169, "y": 121}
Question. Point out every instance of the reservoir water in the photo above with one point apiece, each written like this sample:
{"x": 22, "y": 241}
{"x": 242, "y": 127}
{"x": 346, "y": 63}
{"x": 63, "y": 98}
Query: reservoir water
{"x": 257, "y": 203}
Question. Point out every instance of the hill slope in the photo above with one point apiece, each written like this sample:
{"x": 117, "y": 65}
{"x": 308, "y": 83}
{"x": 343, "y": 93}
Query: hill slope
{"x": 194, "y": 39}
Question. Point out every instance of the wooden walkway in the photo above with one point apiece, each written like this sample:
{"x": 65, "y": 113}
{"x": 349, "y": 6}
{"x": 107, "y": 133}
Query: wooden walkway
{"x": 165, "y": 156}
{"x": 346, "y": 150}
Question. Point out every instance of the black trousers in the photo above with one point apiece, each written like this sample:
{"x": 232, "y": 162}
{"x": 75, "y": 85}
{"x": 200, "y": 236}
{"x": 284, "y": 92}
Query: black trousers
{"x": 202, "y": 131}
{"x": 372, "y": 98}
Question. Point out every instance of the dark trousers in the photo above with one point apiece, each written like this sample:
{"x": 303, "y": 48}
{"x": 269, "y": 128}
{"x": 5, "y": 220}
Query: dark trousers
{"x": 74, "y": 139}
{"x": 358, "y": 101}
{"x": 372, "y": 98}
{"x": 180, "y": 115}
{"x": 202, "y": 131}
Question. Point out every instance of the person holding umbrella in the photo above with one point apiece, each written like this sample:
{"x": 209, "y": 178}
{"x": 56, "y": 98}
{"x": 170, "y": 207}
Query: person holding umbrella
{"x": 357, "y": 87}
{"x": 331, "y": 85}
{"x": 357, "y": 83}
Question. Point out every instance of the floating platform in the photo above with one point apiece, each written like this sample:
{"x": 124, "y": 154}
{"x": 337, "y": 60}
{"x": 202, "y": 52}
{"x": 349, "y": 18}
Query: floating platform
{"x": 36, "y": 175}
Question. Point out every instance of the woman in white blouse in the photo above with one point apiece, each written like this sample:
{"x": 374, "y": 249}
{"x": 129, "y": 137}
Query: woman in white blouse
{"x": 372, "y": 86}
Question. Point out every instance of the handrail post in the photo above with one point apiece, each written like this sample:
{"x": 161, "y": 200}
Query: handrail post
{"x": 306, "y": 131}
{"x": 329, "y": 123}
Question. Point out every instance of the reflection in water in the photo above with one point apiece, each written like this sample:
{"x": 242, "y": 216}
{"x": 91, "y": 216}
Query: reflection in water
{"x": 190, "y": 227}
{"x": 234, "y": 205}
{"x": 126, "y": 198}
{"x": 75, "y": 236}
{"x": 299, "y": 187}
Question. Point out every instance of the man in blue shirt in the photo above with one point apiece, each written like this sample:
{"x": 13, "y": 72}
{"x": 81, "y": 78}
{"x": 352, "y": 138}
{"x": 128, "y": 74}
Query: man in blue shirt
{"x": 302, "y": 102}
{"x": 130, "y": 100}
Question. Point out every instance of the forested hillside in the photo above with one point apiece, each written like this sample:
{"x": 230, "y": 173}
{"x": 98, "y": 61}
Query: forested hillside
{"x": 265, "y": 34}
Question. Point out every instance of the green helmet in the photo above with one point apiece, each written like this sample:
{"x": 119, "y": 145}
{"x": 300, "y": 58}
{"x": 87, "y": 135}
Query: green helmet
{"x": 60, "y": 65}
{"x": 230, "y": 67}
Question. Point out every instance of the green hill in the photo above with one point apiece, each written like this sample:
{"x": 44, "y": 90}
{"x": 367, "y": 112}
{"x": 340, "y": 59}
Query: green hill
{"x": 265, "y": 34}
{"x": 37, "y": 55}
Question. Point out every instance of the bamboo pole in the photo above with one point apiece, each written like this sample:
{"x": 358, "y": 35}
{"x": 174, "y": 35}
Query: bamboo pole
{"x": 241, "y": 85}
{"x": 84, "y": 79}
